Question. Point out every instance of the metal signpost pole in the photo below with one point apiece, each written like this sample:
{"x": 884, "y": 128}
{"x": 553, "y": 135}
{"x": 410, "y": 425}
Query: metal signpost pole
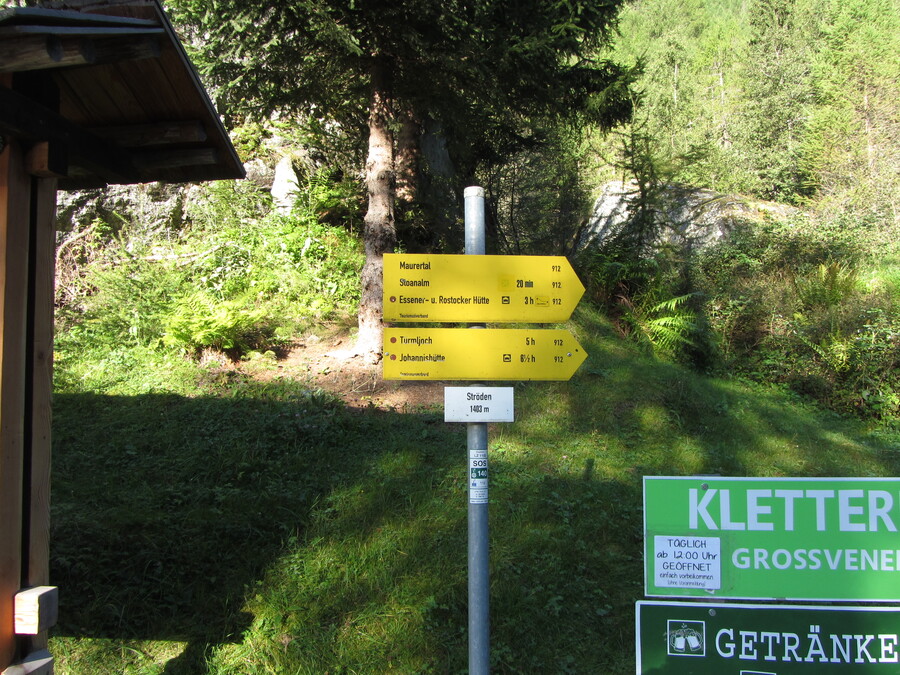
{"x": 477, "y": 444}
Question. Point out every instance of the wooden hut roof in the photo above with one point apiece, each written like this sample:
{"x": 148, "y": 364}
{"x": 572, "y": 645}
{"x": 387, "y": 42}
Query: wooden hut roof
{"x": 108, "y": 85}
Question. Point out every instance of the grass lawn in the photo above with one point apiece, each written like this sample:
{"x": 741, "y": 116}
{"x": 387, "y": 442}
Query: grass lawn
{"x": 261, "y": 526}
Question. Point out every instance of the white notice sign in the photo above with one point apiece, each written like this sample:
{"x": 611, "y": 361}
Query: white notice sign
{"x": 478, "y": 404}
{"x": 688, "y": 562}
{"x": 478, "y": 476}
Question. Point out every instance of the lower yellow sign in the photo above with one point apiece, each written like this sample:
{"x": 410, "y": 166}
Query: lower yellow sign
{"x": 480, "y": 354}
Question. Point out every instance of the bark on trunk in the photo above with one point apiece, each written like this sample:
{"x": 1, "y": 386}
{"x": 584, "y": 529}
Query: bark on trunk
{"x": 379, "y": 233}
{"x": 407, "y": 160}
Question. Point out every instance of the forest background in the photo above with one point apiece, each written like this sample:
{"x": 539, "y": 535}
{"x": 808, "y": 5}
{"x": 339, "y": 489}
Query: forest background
{"x": 770, "y": 349}
{"x": 770, "y": 100}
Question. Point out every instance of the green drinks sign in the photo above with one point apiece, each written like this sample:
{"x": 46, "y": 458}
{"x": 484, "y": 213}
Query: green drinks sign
{"x": 692, "y": 638}
{"x": 772, "y": 538}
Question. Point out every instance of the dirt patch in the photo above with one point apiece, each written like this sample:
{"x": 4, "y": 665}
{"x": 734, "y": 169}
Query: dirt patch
{"x": 325, "y": 363}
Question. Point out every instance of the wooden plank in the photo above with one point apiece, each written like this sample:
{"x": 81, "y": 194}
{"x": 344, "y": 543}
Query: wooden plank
{"x": 25, "y": 53}
{"x": 71, "y": 105}
{"x": 115, "y": 50}
{"x": 37, "y": 609}
{"x": 124, "y": 10}
{"x": 14, "y": 209}
{"x": 166, "y": 100}
{"x": 100, "y": 92}
{"x": 37, "y": 663}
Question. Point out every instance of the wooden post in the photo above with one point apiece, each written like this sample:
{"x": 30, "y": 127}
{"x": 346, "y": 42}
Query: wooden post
{"x": 15, "y": 190}
{"x": 43, "y": 260}
{"x": 27, "y": 210}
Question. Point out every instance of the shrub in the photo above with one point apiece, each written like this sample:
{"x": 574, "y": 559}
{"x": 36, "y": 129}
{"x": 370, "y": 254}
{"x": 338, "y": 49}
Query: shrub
{"x": 237, "y": 277}
{"x": 788, "y": 305}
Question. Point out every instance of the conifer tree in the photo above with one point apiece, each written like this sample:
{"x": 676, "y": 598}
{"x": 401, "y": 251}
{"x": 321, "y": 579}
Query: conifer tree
{"x": 482, "y": 68}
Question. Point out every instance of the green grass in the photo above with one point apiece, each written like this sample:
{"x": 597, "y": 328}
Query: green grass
{"x": 249, "y": 528}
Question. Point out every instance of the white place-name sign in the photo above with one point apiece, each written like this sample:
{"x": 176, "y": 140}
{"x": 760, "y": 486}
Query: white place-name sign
{"x": 478, "y": 404}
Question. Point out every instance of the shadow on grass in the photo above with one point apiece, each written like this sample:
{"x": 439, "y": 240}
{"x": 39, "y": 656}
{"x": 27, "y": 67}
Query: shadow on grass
{"x": 661, "y": 419}
{"x": 167, "y": 509}
{"x": 311, "y": 538}
{"x": 274, "y": 530}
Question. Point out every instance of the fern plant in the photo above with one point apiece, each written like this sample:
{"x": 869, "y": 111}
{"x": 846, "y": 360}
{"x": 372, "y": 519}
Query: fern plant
{"x": 834, "y": 351}
{"x": 662, "y": 328}
{"x": 200, "y": 321}
{"x": 829, "y": 285}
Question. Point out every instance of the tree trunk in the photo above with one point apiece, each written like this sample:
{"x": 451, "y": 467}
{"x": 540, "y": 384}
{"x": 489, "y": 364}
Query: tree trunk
{"x": 379, "y": 234}
{"x": 407, "y": 159}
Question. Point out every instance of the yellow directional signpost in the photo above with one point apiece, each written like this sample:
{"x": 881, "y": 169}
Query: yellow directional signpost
{"x": 479, "y": 288}
{"x": 488, "y": 354}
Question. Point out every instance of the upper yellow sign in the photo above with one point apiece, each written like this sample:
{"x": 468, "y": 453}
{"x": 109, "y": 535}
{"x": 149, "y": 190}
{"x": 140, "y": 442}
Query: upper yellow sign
{"x": 479, "y": 288}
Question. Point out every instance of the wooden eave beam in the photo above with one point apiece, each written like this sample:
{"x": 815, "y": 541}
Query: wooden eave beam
{"x": 176, "y": 159}
{"x": 38, "y": 52}
{"x": 80, "y": 31}
{"x": 181, "y": 174}
{"x": 117, "y": 49}
{"x": 22, "y": 118}
{"x": 42, "y": 52}
{"x": 40, "y": 15}
{"x": 151, "y": 135}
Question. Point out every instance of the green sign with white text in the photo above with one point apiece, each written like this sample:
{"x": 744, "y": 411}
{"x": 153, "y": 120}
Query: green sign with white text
{"x": 692, "y": 638}
{"x": 772, "y": 538}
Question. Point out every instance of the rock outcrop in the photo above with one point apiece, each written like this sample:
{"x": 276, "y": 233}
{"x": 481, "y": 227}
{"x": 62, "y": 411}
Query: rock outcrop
{"x": 687, "y": 217}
